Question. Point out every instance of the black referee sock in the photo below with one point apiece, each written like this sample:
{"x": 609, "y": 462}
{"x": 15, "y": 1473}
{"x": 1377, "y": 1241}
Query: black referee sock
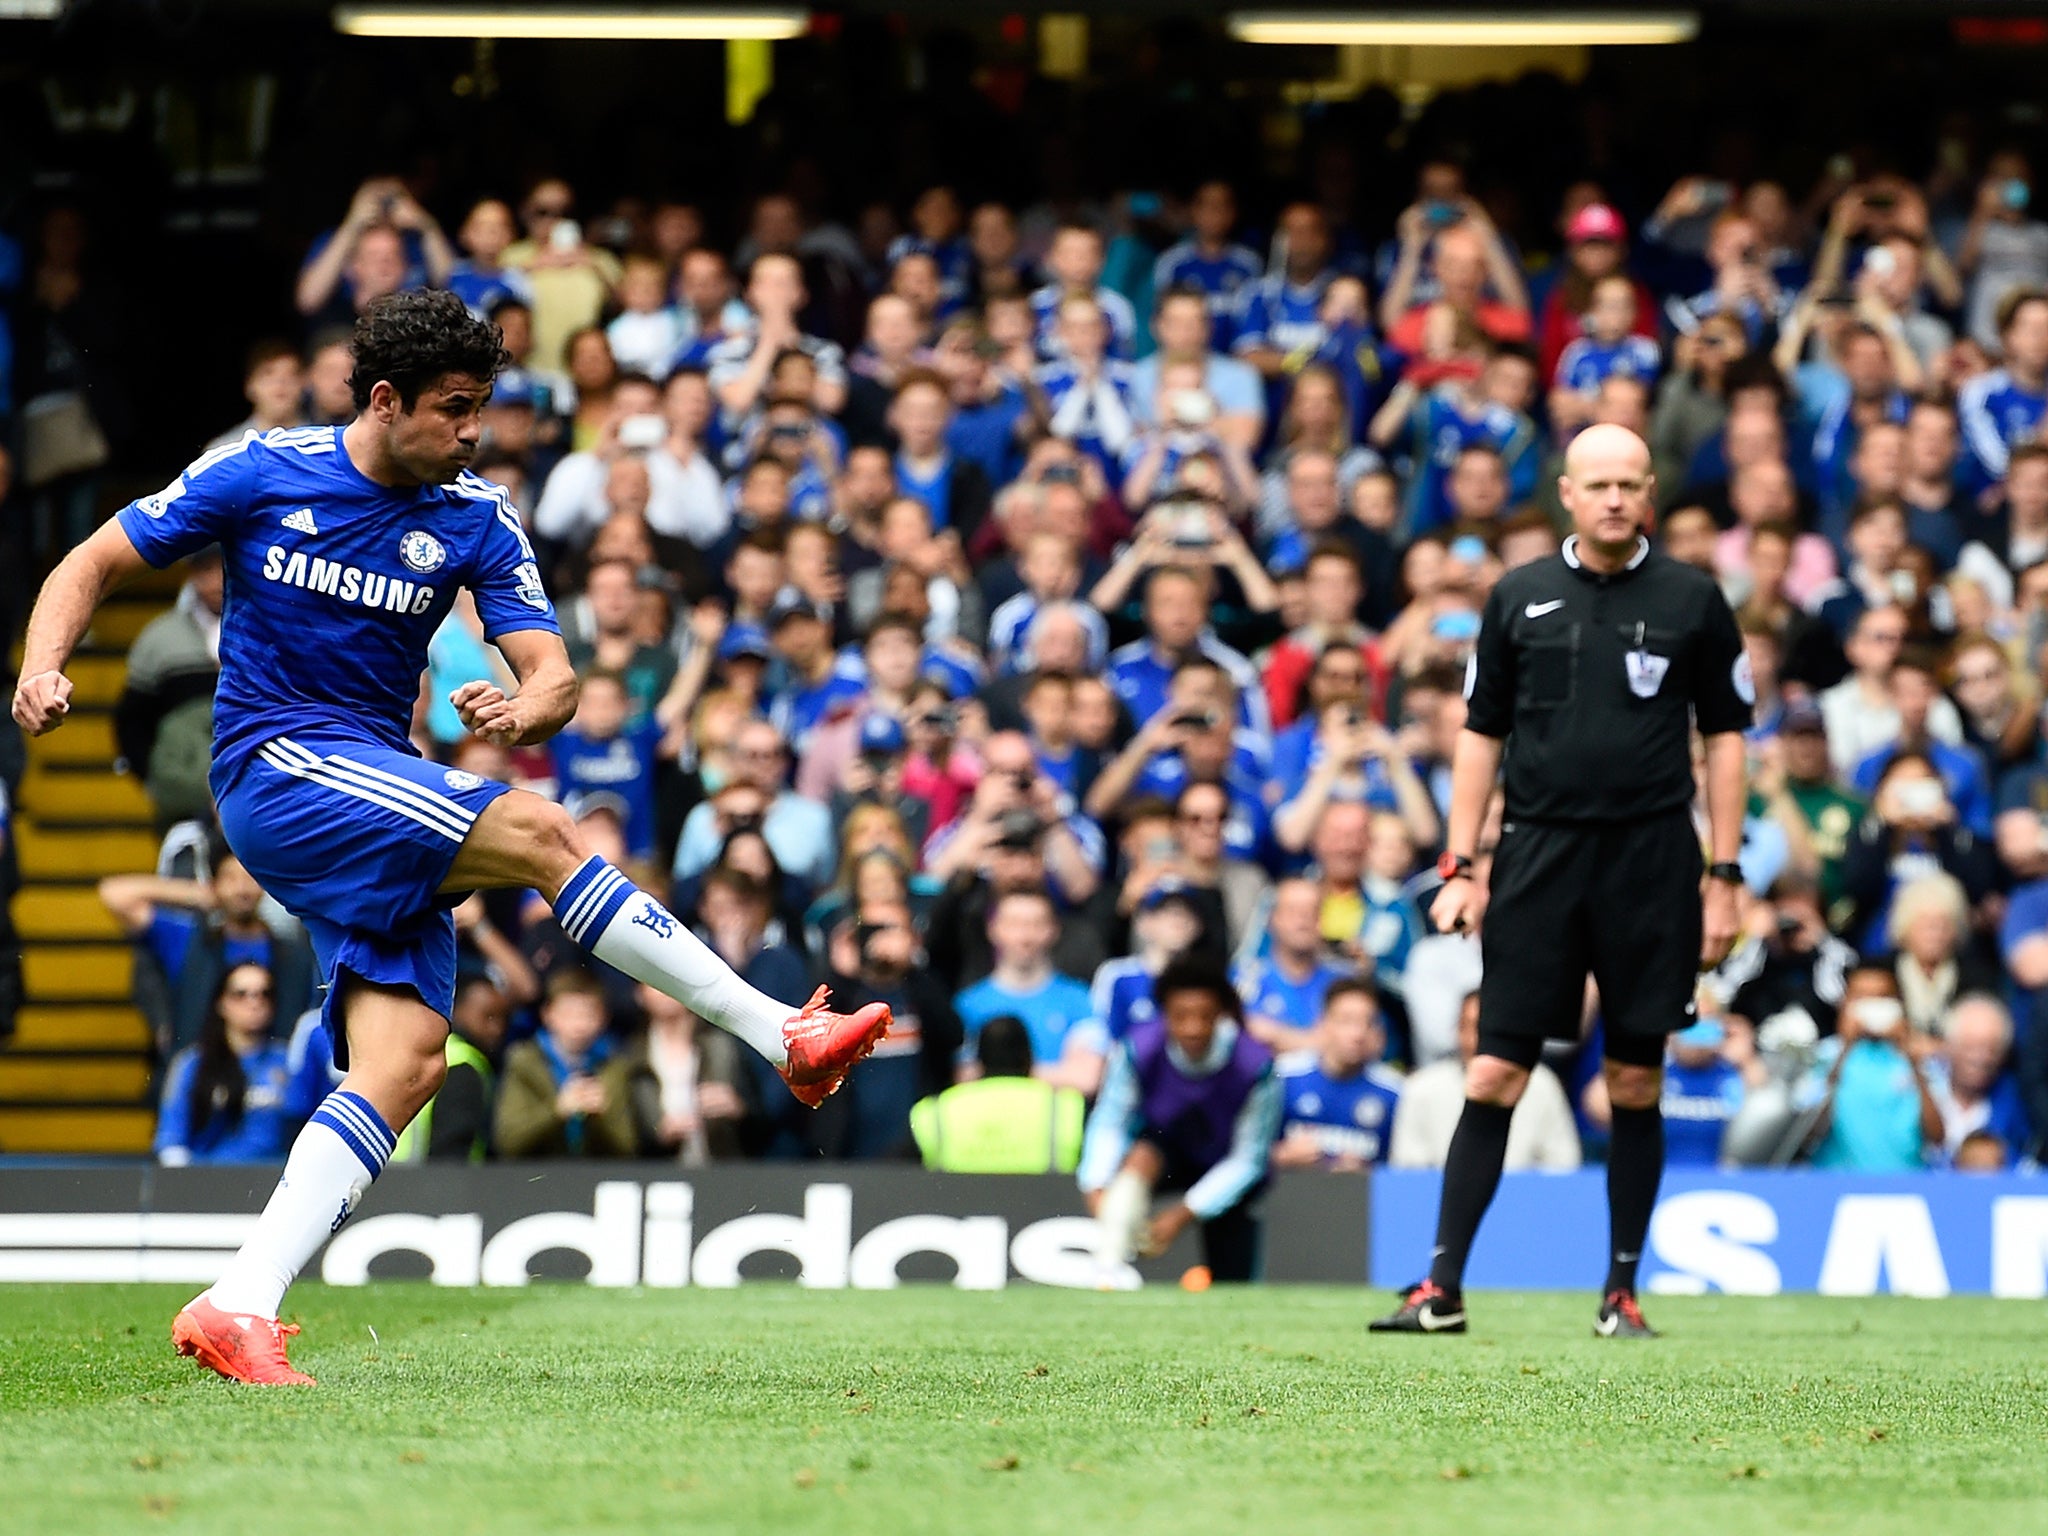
{"x": 1635, "y": 1165}
{"x": 1471, "y": 1174}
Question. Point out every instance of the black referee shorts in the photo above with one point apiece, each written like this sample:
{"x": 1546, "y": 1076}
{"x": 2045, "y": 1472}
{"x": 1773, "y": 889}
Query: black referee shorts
{"x": 1618, "y": 900}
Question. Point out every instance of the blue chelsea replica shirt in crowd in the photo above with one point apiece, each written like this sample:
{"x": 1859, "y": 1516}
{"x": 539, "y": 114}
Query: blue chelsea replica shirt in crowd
{"x": 1347, "y": 1116}
{"x": 335, "y": 584}
{"x": 623, "y": 764}
{"x": 1586, "y": 364}
{"x": 1270, "y": 994}
{"x": 1116, "y": 309}
{"x": 1221, "y": 278}
{"x": 1995, "y": 412}
{"x": 1698, "y": 1103}
{"x": 1287, "y": 317}
{"x": 1121, "y": 998}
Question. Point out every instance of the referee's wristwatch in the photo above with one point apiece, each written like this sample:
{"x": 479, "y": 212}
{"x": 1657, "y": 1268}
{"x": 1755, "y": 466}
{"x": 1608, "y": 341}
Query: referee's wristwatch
{"x": 1727, "y": 871}
{"x": 1453, "y": 866}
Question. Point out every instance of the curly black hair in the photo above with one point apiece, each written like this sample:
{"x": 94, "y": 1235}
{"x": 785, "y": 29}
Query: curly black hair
{"x": 409, "y": 340}
{"x": 1198, "y": 972}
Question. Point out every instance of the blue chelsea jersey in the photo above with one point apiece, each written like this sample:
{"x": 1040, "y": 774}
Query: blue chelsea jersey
{"x": 335, "y": 584}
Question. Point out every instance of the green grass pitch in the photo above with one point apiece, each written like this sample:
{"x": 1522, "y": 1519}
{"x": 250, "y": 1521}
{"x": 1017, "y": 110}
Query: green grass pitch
{"x": 1266, "y": 1412}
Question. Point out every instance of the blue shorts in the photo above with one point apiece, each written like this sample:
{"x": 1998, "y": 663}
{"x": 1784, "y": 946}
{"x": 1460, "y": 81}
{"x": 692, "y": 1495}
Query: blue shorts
{"x": 355, "y": 839}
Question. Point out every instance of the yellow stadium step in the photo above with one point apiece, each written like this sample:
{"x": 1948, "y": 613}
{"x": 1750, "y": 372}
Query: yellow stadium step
{"x": 84, "y": 973}
{"x": 117, "y": 624}
{"x": 48, "y": 854}
{"x": 64, "y": 912}
{"x": 86, "y": 739}
{"x": 108, "y": 1129}
{"x": 43, "y": 1027}
{"x": 96, "y": 681}
{"x": 73, "y": 1079}
{"x": 102, "y": 798}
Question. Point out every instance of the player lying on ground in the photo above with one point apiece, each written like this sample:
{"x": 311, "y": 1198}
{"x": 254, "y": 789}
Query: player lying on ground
{"x": 345, "y": 548}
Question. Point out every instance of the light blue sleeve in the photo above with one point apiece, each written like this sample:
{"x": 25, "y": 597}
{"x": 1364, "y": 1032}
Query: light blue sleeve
{"x": 1236, "y": 386}
{"x": 455, "y": 657}
{"x": 1088, "y": 1026}
{"x": 1258, "y": 1125}
{"x": 698, "y": 845}
{"x": 1765, "y": 853}
{"x": 505, "y": 577}
{"x": 198, "y": 508}
{"x": 1112, "y": 1126}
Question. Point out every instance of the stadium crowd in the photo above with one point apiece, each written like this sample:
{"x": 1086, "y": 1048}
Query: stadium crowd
{"x": 979, "y": 613}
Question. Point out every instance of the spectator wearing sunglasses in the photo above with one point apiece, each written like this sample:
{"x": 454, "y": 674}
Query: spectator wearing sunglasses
{"x": 225, "y": 1097}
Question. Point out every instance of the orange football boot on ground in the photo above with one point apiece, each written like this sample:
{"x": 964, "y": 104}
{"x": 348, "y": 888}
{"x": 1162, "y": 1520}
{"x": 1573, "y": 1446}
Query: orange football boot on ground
{"x": 823, "y": 1046}
{"x": 238, "y": 1345}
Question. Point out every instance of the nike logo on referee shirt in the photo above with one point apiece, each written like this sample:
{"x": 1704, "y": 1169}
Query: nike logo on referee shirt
{"x": 1537, "y": 610}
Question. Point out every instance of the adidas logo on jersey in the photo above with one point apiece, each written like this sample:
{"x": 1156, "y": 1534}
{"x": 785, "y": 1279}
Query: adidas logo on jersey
{"x": 301, "y": 521}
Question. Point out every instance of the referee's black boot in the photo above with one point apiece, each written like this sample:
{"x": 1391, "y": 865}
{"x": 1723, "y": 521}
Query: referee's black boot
{"x": 1621, "y": 1317}
{"x": 1425, "y": 1308}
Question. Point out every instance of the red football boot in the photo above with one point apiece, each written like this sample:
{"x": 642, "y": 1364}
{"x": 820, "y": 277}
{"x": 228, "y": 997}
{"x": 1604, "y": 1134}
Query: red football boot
{"x": 823, "y": 1046}
{"x": 238, "y": 1345}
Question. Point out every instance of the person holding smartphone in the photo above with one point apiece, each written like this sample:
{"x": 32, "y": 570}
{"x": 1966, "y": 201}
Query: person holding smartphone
{"x": 1878, "y": 1109}
{"x": 1912, "y": 829}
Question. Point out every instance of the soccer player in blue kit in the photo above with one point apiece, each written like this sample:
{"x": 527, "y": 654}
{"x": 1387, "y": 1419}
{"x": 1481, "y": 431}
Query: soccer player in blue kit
{"x": 345, "y": 547}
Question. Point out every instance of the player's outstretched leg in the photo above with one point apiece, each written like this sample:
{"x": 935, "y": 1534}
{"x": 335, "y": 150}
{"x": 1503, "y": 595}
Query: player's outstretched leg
{"x": 1479, "y": 1149}
{"x": 1635, "y": 1165}
{"x": 396, "y": 1065}
{"x": 523, "y": 840}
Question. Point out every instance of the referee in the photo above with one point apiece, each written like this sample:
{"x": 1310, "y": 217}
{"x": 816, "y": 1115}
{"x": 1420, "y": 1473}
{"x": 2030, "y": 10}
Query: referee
{"x": 1591, "y": 671}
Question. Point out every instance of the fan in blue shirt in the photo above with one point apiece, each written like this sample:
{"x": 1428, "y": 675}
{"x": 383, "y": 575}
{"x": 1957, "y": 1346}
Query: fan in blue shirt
{"x": 1450, "y": 419}
{"x": 1075, "y": 261}
{"x": 1340, "y": 1108}
{"x": 482, "y": 281}
{"x": 1914, "y": 692}
{"x": 1089, "y": 396}
{"x": 1056, "y": 1010}
{"x": 602, "y": 752}
{"x": 1142, "y": 672}
{"x": 1163, "y": 928}
{"x": 1999, "y": 410}
{"x": 1283, "y": 991}
{"x": 1209, "y": 262}
{"x": 1586, "y": 363}
{"x": 937, "y": 226}
{"x": 821, "y": 688}
{"x": 1702, "y": 1092}
{"x": 226, "y": 1098}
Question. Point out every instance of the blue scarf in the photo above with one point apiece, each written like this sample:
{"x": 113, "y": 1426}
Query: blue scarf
{"x": 561, "y": 1068}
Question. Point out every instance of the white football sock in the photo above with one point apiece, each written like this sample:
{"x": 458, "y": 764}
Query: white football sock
{"x": 343, "y": 1147}
{"x": 600, "y": 909}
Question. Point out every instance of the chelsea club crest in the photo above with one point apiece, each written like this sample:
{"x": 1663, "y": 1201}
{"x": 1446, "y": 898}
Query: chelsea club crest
{"x": 421, "y": 552}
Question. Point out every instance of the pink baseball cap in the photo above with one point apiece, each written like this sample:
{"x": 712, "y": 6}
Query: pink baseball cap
{"x": 1597, "y": 221}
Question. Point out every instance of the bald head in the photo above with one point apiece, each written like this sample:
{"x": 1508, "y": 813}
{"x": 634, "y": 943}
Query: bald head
{"x": 1608, "y": 489}
{"x": 1601, "y": 443}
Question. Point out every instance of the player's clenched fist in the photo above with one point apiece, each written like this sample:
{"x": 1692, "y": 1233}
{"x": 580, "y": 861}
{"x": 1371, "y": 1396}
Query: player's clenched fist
{"x": 486, "y": 712}
{"x": 41, "y": 701}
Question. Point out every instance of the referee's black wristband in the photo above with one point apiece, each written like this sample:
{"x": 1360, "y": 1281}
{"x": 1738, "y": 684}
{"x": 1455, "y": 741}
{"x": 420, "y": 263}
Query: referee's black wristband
{"x": 1725, "y": 870}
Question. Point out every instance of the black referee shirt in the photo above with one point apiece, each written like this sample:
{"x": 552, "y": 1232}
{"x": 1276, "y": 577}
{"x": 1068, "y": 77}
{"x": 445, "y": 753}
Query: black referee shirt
{"x": 1594, "y": 682}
